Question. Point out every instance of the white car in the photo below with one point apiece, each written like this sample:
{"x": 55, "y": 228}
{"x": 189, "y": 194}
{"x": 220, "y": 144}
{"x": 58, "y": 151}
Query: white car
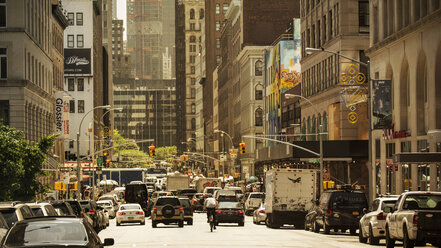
{"x": 43, "y": 209}
{"x": 372, "y": 224}
{"x": 130, "y": 213}
{"x": 106, "y": 216}
{"x": 108, "y": 206}
{"x": 259, "y": 214}
{"x": 253, "y": 202}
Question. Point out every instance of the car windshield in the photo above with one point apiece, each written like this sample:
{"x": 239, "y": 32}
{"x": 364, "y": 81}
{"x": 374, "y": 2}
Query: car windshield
{"x": 42, "y": 232}
{"x": 389, "y": 203}
{"x": 423, "y": 202}
{"x": 185, "y": 203}
{"x": 129, "y": 207}
{"x": 168, "y": 201}
{"x": 75, "y": 208}
{"x": 260, "y": 196}
{"x": 227, "y": 198}
{"x": 226, "y": 205}
{"x": 9, "y": 215}
{"x": 104, "y": 204}
{"x": 349, "y": 200}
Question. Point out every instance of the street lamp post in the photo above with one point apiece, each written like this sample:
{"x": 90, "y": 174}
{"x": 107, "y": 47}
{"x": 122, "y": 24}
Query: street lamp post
{"x": 231, "y": 140}
{"x": 310, "y": 50}
{"x": 78, "y": 149}
{"x": 320, "y": 137}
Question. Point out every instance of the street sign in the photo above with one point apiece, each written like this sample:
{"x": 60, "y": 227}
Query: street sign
{"x": 326, "y": 176}
{"x": 99, "y": 161}
{"x": 223, "y": 157}
{"x": 314, "y": 160}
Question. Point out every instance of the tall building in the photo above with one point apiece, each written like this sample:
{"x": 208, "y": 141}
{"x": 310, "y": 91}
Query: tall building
{"x": 148, "y": 111}
{"x": 121, "y": 64}
{"x": 83, "y": 73}
{"x": 150, "y": 36}
{"x": 189, "y": 17}
{"x": 405, "y": 66}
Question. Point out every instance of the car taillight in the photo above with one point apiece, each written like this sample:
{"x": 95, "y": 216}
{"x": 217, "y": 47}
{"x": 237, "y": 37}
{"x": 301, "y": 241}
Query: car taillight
{"x": 91, "y": 211}
{"x": 154, "y": 210}
{"x": 140, "y": 212}
{"x": 415, "y": 220}
{"x": 240, "y": 212}
{"x": 120, "y": 213}
{"x": 330, "y": 211}
{"x": 262, "y": 211}
{"x": 181, "y": 209}
{"x": 381, "y": 216}
{"x": 219, "y": 211}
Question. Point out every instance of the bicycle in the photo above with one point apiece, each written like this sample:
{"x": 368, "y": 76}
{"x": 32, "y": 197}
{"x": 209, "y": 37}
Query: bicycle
{"x": 212, "y": 224}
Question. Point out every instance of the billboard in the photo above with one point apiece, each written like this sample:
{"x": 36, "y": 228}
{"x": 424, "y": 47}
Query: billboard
{"x": 381, "y": 104}
{"x": 77, "y": 61}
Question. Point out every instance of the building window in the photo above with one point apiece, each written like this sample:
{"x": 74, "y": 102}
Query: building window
{"x": 79, "y": 19}
{"x": 192, "y": 14}
{"x": 217, "y": 43}
{"x": 2, "y": 13}
{"x": 193, "y": 81}
{"x": 217, "y": 9}
{"x": 192, "y": 26}
{"x": 71, "y": 144}
{"x": 80, "y": 82}
{"x": 259, "y": 92}
{"x": 80, "y": 106}
{"x": 193, "y": 70}
{"x": 192, "y": 39}
{"x": 201, "y": 14}
{"x": 258, "y": 68}
{"x": 193, "y": 48}
{"x": 193, "y": 124}
{"x": 217, "y": 26}
{"x": 70, "y": 84}
{"x": 193, "y": 108}
{"x": 71, "y": 18}
{"x": 258, "y": 117}
{"x": 193, "y": 92}
{"x": 3, "y": 63}
{"x": 4, "y": 112}
{"x": 363, "y": 16}
{"x": 72, "y": 106}
{"x": 218, "y": 60}
{"x": 224, "y": 8}
{"x": 70, "y": 41}
{"x": 192, "y": 59}
{"x": 80, "y": 40}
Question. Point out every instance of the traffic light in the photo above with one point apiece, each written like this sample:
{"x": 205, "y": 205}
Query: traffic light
{"x": 242, "y": 148}
{"x": 108, "y": 165}
{"x": 152, "y": 152}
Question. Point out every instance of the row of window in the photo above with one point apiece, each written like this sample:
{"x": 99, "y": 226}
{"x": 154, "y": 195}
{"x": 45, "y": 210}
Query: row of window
{"x": 71, "y": 84}
{"x": 321, "y": 76}
{"x": 2, "y": 13}
{"x": 71, "y": 18}
{"x": 224, "y": 8}
{"x": 80, "y": 106}
{"x": 192, "y": 14}
{"x": 3, "y": 63}
{"x": 71, "y": 40}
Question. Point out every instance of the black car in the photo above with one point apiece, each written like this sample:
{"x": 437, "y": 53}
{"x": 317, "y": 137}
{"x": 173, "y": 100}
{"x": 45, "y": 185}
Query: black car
{"x": 189, "y": 193}
{"x": 137, "y": 193}
{"x": 338, "y": 210}
{"x": 76, "y": 207}
{"x": 229, "y": 212}
{"x": 90, "y": 208}
{"x": 53, "y": 232}
{"x": 63, "y": 208}
{"x": 188, "y": 210}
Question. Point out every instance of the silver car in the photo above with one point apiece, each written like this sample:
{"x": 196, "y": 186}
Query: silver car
{"x": 108, "y": 206}
{"x": 259, "y": 214}
{"x": 372, "y": 224}
{"x": 130, "y": 213}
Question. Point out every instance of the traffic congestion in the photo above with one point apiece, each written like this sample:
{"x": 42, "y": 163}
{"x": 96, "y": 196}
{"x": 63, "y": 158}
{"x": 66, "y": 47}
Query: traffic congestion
{"x": 286, "y": 199}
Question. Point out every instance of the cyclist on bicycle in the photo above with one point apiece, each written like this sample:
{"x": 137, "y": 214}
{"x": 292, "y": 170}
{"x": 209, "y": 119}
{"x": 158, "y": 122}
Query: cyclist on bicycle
{"x": 210, "y": 205}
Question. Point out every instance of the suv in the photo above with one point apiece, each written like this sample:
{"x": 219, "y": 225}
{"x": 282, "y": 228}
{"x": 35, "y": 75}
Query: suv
{"x": 90, "y": 208}
{"x": 14, "y": 213}
{"x": 167, "y": 210}
{"x": 339, "y": 210}
{"x": 188, "y": 210}
{"x": 42, "y": 209}
{"x": 63, "y": 208}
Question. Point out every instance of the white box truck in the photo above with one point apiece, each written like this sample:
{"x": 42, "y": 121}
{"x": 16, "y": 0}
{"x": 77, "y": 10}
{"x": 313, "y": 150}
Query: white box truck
{"x": 177, "y": 182}
{"x": 202, "y": 183}
{"x": 289, "y": 194}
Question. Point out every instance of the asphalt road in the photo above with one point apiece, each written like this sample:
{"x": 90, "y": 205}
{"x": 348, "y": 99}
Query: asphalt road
{"x": 198, "y": 235}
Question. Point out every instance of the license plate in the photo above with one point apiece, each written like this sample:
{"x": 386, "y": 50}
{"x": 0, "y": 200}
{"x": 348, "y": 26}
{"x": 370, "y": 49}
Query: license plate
{"x": 230, "y": 213}
{"x": 158, "y": 217}
{"x": 131, "y": 218}
{"x": 355, "y": 213}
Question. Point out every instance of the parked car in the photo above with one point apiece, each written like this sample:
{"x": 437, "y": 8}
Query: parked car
{"x": 230, "y": 212}
{"x": 188, "y": 210}
{"x": 415, "y": 219}
{"x": 168, "y": 210}
{"x": 106, "y": 217}
{"x": 107, "y": 205}
{"x": 102, "y": 215}
{"x": 90, "y": 208}
{"x": 15, "y": 212}
{"x": 63, "y": 208}
{"x": 111, "y": 197}
{"x": 259, "y": 214}
{"x": 253, "y": 202}
{"x": 3, "y": 226}
{"x": 340, "y": 210}
{"x": 42, "y": 209}
{"x": 53, "y": 232}
{"x": 129, "y": 213}
{"x": 373, "y": 223}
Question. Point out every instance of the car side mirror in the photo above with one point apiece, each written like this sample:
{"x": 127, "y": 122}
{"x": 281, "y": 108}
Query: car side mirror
{"x": 388, "y": 210}
{"x": 109, "y": 242}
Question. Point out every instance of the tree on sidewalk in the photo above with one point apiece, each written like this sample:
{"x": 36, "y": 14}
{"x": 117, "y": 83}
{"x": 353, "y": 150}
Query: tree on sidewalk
{"x": 20, "y": 164}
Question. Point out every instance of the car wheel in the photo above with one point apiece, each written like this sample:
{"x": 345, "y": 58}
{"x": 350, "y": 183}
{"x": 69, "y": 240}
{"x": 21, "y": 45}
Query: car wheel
{"x": 181, "y": 223}
{"x": 142, "y": 222}
{"x": 154, "y": 224}
{"x": 326, "y": 228}
{"x": 305, "y": 226}
{"x": 353, "y": 231}
{"x": 373, "y": 240}
{"x": 241, "y": 223}
{"x": 390, "y": 243}
{"x": 118, "y": 224}
{"x": 407, "y": 243}
{"x": 360, "y": 235}
{"x": 190, "y": 222}
{"x": 315, "y": 227}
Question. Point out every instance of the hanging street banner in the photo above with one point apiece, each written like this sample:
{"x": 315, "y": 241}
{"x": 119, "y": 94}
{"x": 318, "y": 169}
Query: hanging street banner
{"x": 382, "y": 104}
{"x": 61, "y": 115}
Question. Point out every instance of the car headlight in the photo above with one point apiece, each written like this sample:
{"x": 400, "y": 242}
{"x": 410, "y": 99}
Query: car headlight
{"x": 336, "y": 215}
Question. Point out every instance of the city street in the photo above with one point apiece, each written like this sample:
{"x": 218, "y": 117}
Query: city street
{"x": 226, "y": 235}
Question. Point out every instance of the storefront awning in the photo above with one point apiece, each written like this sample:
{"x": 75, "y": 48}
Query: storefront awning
{"x": 417, "y": 157}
